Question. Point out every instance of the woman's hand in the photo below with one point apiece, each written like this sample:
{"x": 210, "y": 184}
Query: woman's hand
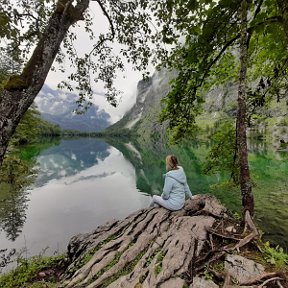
{"x": 165, "y": 197}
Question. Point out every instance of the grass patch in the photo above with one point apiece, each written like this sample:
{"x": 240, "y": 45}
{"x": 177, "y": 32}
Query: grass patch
{"x": 159, "y": 259}
{"x": 275, "y": 256}
{"x": 26, "y": 273}
{"x": 208, "y": 276}
{"x": 218, "y": 266}
{"x": 158, "y": 268}
{"x": 124, "y": 271}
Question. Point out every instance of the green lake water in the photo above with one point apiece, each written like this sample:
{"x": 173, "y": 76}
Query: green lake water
{"x": 72, "y": 186}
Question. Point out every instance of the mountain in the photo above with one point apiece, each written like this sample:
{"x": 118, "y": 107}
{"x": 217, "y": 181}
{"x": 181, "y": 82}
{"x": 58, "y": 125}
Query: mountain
{"x": 143, "y": 117}
{"x": 269, "y": 121}
{"x": 57, "y": 107}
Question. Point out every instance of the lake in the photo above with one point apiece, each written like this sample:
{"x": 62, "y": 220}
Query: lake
{"x": 82, "y": 183}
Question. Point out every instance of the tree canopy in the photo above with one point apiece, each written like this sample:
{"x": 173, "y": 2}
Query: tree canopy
{"x": 208, "y": 54}
{"x": 24, "y": 24}
{"x": 197, "y": 38}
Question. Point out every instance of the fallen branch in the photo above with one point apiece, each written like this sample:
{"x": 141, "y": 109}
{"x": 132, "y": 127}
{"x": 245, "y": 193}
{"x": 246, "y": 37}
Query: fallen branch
{"x": 260, "y": 277}
{"x": 223, "y": 235}
{"x": 207, "y": 262}
{"x": 269, "y": 280}
{"x": 248, "y": 223}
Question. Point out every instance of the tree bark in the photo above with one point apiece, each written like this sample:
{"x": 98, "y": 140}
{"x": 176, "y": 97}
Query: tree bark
{"x": 245, "y": 181}
{"x": 21, "y": 90}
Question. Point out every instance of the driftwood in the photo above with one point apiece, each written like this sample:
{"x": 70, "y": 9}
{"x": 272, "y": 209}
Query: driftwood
{"x": 152, "y": 247}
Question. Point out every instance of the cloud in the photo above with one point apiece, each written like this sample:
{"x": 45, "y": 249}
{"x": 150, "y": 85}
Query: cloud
{"x": 126, "y": 81}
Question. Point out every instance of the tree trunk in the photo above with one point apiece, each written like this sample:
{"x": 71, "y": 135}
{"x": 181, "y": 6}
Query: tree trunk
{"x": 21, "y": 90}
{"x": 245, "y": 181}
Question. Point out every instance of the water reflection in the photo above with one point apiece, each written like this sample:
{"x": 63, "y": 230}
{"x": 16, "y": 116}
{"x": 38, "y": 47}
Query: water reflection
{"x": 70, "y": 157}
{"x": 15, "y": 175}
{"x": 13, "y": 214}
{"x": 81, "y": 184}
{"x": 269, "y": 173}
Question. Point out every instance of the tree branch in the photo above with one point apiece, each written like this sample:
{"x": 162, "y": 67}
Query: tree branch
{"x": 108, "y": 38}
{"x": 258, "y": 9}
{"x": 218, "y": 57}
{"x": 274, "y": 19}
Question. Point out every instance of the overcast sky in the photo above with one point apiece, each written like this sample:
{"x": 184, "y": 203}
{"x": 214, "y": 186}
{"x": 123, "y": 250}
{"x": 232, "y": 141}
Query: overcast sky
{"x": 126, "y": 82}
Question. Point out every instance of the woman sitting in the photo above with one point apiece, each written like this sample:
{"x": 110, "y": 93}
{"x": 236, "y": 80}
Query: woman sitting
{"x": 175, "y": 187}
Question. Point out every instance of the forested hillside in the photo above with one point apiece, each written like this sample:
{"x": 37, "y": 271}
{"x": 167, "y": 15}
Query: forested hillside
{"x": 143, "y": 119}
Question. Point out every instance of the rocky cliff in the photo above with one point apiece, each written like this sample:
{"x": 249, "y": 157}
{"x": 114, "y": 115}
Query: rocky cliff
{"x": 143, "y": 117}
{"x": 268, "y": 121}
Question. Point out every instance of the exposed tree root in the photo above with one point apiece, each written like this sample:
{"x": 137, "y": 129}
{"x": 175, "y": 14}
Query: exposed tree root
{"x": 260, "y": 278}
{"x": 269, "y": 280}
{"x": 249, "y": 224}
{"x": 157, "y": 248}
{"x": 231, "y": 237}
{"x": 205, "y": 261}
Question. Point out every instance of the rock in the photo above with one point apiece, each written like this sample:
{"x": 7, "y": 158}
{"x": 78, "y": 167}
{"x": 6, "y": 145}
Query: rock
{"x": 241, "y": 268}
{"x": 152, "y": 247}
{"x": 200, "y": 282}
{"x": 230, "y": 229}
{"x": 173, "y": 283}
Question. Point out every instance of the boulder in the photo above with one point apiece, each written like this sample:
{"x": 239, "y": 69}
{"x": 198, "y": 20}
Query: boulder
{"x": 242, "y": 269}
{"x": 154, "y": 247}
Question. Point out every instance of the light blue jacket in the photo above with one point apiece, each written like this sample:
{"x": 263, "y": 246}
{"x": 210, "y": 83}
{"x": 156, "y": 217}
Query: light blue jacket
{"x": 175, "y": 188}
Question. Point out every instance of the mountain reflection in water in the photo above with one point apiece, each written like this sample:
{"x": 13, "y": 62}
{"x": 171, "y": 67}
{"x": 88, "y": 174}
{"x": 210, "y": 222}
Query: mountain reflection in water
{"x": 83, "y": 183}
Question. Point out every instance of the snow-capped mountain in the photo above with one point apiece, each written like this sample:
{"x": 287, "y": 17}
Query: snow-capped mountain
{"x": 57, "y": 107}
